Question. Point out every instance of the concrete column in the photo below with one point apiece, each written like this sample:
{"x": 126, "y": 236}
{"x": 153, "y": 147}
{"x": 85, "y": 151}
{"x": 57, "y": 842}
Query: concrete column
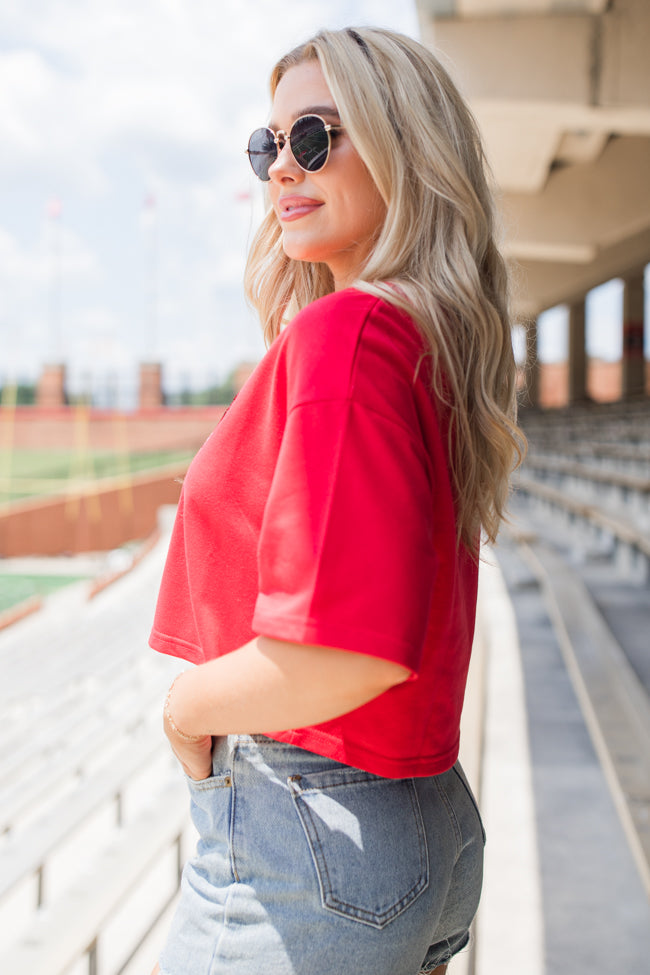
{"x": 577, "y": 373}
{"x": 633, "y": 365}
{"x": 532, "y": 364}
{"x": 50, "y": 391}
{"x": 150, "y": 385}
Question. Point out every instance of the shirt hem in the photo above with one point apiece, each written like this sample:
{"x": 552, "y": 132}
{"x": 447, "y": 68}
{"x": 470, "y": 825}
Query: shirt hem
{"x": 176, "y": 648}
{"x": 341, "y": 750}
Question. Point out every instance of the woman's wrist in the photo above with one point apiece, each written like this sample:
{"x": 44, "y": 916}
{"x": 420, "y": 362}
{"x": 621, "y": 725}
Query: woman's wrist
{"x": 178, "y": 725}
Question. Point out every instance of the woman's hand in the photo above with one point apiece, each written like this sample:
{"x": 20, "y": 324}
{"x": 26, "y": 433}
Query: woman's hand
{"x": 195, "y": 757}
{"x": 194, "y": 752}
{"x": 268, "y": 685}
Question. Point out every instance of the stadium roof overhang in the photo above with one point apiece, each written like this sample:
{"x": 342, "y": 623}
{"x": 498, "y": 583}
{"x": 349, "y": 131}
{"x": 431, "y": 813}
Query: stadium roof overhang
{"x": 561, "y": 91}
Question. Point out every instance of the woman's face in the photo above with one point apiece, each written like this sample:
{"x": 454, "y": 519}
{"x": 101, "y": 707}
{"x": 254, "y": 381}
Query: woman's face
{"x": 332, "y": 216}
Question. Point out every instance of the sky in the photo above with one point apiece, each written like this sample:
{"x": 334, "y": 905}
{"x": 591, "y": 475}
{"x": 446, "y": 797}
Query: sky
{"x": 603, "y": 325}
{"x": 127, "y": 202}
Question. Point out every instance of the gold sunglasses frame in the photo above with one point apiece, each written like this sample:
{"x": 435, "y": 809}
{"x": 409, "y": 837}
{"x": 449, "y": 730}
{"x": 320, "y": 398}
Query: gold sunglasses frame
{"x": 281, "y": 138}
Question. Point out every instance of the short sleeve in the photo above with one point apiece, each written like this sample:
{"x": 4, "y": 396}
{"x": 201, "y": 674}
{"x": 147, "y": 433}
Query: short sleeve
{"x": 345, "y": 553}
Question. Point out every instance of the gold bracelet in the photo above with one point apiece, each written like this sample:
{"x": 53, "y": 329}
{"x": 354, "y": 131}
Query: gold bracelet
{"x": 172, "y": 724}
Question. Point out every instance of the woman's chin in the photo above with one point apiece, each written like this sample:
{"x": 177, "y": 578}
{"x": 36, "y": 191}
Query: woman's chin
{"x": 298, "y": 252}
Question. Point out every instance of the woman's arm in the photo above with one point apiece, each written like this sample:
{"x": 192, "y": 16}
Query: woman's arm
{"x": 269, "y": 685}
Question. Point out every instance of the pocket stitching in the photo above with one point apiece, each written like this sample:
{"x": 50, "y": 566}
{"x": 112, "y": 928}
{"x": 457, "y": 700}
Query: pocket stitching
{"x": 329, "y": 900}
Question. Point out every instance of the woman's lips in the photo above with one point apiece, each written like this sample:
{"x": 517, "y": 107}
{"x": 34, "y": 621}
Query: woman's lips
{"x": 294, "y": 207}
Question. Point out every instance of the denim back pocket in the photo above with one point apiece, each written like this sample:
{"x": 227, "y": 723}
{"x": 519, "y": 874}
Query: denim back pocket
{"x": 367, "y": 841}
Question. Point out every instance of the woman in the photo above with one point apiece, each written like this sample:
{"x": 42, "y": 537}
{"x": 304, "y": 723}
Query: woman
{"x": 322, "y": 571}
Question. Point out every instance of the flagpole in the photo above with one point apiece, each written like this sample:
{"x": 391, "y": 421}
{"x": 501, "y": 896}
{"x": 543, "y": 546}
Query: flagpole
{"x": 54, "y": 213}
{"x": 151, "y": 225}
{"x": 150, "y": 369}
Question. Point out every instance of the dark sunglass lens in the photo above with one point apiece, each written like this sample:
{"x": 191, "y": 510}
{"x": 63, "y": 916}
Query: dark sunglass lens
{"x": 262, "y": 152}
{"x": 309, "y": 143}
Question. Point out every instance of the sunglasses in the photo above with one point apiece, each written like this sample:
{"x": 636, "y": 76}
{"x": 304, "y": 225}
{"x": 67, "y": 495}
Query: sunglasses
{"x": 310, "y": 141}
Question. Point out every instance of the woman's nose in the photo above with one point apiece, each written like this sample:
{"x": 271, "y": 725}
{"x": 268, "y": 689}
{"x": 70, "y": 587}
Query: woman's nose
{"x": 284, "y": 165}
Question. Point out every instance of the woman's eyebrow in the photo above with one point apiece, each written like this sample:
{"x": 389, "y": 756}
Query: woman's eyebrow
{"x": 330, "y": 110}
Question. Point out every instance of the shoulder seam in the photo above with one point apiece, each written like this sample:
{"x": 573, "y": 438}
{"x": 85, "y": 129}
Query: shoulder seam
{"x": 362, "y": 328}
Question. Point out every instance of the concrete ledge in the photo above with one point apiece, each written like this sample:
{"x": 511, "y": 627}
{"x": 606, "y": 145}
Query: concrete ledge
{"x": 20, "y": 611}
{"x": 509, "y": 937}
{"x": 613, "y": 701}
{"x": 104, "y": 581}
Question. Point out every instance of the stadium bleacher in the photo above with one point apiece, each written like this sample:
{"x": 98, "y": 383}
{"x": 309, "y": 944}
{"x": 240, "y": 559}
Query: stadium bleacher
{"x": 93, "y": 807}
{"x": 556, "y": 737}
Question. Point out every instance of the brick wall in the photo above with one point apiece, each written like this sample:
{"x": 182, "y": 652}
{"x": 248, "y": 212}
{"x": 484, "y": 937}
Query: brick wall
{"x": 604, "y": 381}
{"x": 98, "y": 518}
{"x": 68, "y": 427}
{"x": 110, "y": 512}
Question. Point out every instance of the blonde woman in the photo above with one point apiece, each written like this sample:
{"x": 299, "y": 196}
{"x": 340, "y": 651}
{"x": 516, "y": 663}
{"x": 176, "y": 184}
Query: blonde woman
{"x": 322, "y": 572}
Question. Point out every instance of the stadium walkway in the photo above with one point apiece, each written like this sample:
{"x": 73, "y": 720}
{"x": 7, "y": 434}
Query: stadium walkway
{"x": 562, "y": 893}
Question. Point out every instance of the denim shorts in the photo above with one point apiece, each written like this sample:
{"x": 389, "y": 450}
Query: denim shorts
{"x": 306, "y": 866}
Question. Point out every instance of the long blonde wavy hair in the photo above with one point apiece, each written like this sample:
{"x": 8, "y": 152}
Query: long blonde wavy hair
{"x": 435, "y": 256}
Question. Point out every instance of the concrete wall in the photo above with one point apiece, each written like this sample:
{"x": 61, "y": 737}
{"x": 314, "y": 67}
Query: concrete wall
{"x": 561, "y": 93}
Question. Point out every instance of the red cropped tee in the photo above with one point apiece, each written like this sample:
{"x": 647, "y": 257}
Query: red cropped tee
{"x": 320, "y": 511}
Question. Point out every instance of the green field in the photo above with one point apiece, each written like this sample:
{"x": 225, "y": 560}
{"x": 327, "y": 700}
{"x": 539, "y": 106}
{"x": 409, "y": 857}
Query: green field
{"x": 16, "y": 589}
{"x": 27, "y": 473}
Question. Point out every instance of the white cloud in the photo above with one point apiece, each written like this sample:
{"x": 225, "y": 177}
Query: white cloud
{"x": 60, "y": 254}
{"x": 23, "y": 80}
{"x": 103, "y": 104}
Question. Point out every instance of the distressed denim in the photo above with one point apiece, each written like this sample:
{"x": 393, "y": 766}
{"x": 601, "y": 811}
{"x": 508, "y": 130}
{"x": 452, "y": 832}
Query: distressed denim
{"x": 305, "y": 866}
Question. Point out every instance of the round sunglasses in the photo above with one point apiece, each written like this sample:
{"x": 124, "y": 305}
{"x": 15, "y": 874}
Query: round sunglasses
{"x": 310, "y": 141}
